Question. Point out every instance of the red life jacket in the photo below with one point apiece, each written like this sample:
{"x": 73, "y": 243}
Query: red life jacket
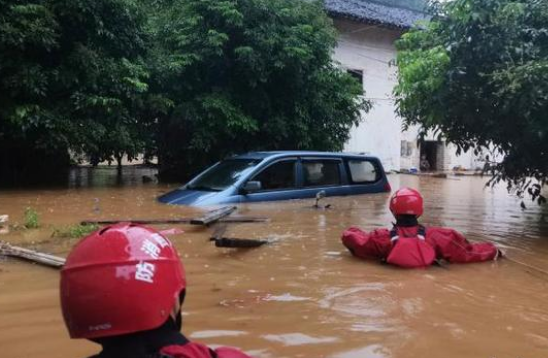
{"x": 410, "y": 251}
{"x": 197, "y": 350}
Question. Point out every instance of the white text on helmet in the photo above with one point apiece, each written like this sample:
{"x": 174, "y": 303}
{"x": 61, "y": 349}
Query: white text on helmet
{"x": 160, "y": 240}
{"x": 145, "y": 272}
{"x": 150, "y": 249}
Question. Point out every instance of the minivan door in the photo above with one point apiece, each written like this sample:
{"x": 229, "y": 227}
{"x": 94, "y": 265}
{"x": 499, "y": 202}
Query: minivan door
{"x": 322, "y": 174}
{"x": 278, "y": 181}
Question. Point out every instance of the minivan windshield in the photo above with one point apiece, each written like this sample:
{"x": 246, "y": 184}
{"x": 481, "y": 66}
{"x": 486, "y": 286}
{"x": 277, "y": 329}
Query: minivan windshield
{"x": 224, "y": 174}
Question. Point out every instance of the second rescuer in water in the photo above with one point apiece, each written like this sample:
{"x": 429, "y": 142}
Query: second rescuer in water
{"x": 411, "y": 245}
{"x": 122, "y": 287}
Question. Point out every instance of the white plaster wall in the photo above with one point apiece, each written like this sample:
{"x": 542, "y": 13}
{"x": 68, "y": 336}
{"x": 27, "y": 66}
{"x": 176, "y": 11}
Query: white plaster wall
{"x": 371, "y": 49}
{"x": 411, "y": 136}
{"x": 464, "y": 160}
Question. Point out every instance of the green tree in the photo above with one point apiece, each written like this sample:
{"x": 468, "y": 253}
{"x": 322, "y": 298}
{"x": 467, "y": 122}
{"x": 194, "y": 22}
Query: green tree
{"x": 229, "y": 76}
{"x": 478, "y": 73}
{"x": 71, "y": 78}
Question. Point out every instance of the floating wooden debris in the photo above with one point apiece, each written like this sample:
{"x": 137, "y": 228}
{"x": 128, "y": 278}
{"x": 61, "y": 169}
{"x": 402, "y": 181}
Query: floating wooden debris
{"x": 219, "y": 231}
{"x": 31, "y": 255}
{"x": 221, "y": 241}
{"x": 239, "y": 243}
{"x": 229, "y": 220}
{"x": 213, "y": 216}
{"x": 209, "y": 218}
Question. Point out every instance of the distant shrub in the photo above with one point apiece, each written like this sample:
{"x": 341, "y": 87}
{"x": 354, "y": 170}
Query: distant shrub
{"x": 32, "y": 219}
{"x": 74, "y": 231}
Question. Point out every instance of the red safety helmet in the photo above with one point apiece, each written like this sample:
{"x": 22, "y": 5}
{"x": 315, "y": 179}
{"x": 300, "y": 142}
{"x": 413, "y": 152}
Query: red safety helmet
{"x": 122, "y": 279}
{"x": 406, "y": 201}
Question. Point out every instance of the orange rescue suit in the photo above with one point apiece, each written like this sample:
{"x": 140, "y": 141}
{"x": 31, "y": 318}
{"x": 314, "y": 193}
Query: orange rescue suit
{"x": 416, "y": 246}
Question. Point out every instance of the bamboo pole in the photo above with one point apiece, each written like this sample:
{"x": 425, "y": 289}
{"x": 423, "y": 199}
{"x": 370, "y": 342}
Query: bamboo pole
{"x": 31, "y": 255}
{"x": 219, "y": 215}
{"x": 229, "y": 220}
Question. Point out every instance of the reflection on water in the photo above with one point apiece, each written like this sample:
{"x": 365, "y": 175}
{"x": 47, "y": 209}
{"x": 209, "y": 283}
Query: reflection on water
{"x": 373, "y": 351}
{"x": 298, "y": 339}
{"x": 304, "y": 295}
{"x": 88, "y": 177}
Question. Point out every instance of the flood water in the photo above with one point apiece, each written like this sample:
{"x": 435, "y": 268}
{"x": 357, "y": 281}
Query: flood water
{"x": 304, "y": 295}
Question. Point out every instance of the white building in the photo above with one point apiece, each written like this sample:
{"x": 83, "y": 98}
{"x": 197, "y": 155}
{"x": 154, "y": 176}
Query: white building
{"x": 367, "y": 34}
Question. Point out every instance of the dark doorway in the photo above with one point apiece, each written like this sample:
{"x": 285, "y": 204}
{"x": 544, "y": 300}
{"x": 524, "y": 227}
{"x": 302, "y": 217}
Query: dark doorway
{"x": 429, "y": 156}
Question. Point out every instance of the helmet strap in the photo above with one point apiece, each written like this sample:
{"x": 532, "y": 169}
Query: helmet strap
{"x": 179, "y": 315}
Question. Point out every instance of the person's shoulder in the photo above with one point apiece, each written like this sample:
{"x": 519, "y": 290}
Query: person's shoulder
{"x": 198, "y": 350}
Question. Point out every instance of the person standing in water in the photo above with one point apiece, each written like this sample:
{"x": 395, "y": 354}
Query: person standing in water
{"x": 123, "y": 287}
{"x": 411, "y": 245}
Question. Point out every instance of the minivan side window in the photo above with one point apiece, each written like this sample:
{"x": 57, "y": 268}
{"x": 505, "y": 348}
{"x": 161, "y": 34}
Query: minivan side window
{"x": 363, "y": 171}
{"x": 321, "y": 173}
{"x": 278, "y": 176}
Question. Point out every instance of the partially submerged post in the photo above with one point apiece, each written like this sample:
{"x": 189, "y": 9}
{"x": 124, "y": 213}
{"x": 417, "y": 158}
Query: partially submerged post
{"x": 4, "y": 229}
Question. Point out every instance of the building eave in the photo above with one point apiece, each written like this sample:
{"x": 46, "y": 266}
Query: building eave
{"x": 370, "y": 12}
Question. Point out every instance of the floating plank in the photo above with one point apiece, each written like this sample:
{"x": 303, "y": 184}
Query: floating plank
{"x": 31, "y": 255}
{"x": 213, "y": 216}
{"x": 221, "y": 241}
{"x": 229, "y": 220}
{"x": 239, "y": 243}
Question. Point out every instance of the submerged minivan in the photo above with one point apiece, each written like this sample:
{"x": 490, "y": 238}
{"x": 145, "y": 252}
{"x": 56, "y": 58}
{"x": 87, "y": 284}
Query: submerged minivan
{"x": 283, "y": 175}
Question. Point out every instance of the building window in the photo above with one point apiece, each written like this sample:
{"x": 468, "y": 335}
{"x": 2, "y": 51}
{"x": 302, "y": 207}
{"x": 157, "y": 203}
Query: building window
{"x": 406, "y": 148}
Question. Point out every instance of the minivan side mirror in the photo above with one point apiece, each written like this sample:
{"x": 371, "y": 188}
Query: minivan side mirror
{"x": 251, "y": 187}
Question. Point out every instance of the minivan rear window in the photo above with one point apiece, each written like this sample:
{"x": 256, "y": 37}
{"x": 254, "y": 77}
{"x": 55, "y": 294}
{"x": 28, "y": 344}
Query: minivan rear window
{"x": 321, "y": 173}
{"x": 363, "y": 171}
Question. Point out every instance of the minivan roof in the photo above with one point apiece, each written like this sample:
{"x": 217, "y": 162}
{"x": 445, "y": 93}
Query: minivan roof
{"x": 282, "y": 153}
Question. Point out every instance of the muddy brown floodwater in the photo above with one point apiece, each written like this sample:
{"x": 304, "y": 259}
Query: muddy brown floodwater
{"x": 305, "y": 296}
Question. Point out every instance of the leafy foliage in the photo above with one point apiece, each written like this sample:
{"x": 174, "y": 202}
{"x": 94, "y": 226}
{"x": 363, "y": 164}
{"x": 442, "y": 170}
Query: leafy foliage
{"x": 74, "y": 231}
{"x": 189, "y": 80}
{"x": 32, "y": 219}
{"x": 478, "y": 73}
{"x": 232, "y": 76}
{"x": 71, "y": 76}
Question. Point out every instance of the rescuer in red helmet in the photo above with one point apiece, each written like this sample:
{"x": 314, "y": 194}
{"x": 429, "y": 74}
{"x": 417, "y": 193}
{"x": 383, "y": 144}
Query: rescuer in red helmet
{"x": 409, "y": 244}
{"x": 123, "y": 287}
